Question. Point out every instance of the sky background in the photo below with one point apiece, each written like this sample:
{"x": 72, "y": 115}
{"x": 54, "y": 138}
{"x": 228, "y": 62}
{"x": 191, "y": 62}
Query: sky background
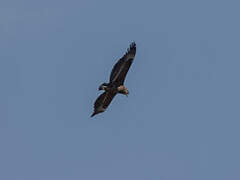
{"x": 181, "y": 120}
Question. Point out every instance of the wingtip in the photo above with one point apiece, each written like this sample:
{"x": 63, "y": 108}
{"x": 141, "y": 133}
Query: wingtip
{"x": 133, "y": 44}
{"x": 93, "y": 114}
{"x": 132, "y": 48}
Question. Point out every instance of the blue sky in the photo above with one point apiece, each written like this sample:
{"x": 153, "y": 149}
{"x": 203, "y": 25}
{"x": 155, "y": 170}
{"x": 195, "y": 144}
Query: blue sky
{"x": 180, "y": 121}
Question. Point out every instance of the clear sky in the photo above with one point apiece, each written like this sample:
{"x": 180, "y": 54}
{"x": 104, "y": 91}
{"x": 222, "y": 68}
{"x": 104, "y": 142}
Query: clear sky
{"x": 180, "y": 121}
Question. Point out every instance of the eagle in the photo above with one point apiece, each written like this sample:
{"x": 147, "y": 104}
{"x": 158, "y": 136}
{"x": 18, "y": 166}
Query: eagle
{"x": 116, "y": 82}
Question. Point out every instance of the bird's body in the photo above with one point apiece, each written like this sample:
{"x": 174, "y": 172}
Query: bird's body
{"x": 116, "y": 83}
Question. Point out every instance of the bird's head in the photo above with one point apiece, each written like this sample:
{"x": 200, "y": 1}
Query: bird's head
{"x": 126, "y": 92}
{"x": 123, "y": 90}
{"x": 103, "y": 86}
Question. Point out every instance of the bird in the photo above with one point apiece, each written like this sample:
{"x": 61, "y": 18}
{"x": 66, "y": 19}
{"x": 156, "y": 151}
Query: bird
{"x": 116, "y": 82}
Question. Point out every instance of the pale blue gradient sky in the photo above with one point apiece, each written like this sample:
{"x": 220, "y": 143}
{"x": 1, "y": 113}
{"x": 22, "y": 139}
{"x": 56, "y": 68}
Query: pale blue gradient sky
{"x": 181, "y": 120}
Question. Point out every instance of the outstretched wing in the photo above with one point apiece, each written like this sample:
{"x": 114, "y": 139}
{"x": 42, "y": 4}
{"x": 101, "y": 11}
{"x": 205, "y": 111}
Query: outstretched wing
{"x": 121, "y": 68}
{"x": 102, "y": 102}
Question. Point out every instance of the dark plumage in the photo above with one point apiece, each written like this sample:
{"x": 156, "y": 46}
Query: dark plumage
{"x": 116, "y": 82}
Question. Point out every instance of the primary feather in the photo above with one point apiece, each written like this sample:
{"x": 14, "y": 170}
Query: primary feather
{"x": 102, "y": 102}
{"x": 121, "y": 68}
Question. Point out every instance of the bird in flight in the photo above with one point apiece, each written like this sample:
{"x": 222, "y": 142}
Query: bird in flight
{"x": 116, "y": 82}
